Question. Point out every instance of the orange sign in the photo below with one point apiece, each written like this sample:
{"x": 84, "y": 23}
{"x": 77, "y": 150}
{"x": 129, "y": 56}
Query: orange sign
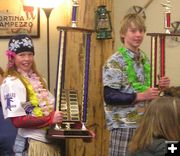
{"x": 17, "y": 17}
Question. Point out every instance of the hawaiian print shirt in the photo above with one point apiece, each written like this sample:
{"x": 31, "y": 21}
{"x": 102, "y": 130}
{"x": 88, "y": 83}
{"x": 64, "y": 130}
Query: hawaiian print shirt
{"x": 114, "y": 76}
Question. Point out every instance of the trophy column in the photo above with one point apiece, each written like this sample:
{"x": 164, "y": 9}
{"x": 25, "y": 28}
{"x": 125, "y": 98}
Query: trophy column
{"x": 66, "y": 99}
{"x": 154, "y": 55}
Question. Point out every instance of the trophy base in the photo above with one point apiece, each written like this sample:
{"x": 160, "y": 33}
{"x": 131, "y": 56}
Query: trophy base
{"x": 55, "y": 134}
{"x": 60, "y": 133}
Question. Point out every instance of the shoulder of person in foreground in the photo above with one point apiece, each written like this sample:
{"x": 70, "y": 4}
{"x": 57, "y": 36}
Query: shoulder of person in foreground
{"x": 157, "y": 148}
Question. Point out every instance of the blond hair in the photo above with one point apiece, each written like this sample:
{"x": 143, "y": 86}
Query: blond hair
{"x": 160, "y": 120}
{"x": 1, "y": 71}
{"x": 1, "y": 75}
{"x": 12, "y": 71}
{"x": 126, "y": 22}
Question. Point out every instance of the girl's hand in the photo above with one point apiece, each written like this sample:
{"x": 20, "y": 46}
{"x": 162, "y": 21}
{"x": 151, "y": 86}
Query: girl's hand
{"x": 58, "y": 117}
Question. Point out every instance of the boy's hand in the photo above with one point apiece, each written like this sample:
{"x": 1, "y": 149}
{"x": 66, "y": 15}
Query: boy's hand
{"x": 149, "y": 94}
{"x": 164, "y": 83}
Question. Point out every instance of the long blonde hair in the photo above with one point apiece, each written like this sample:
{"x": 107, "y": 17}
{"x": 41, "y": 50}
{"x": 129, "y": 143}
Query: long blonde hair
{"x": 160, "y": 120}
{"x": 1, "y": 71}
{"x": 1, "y": 75}
{"x": 12, "y": 71}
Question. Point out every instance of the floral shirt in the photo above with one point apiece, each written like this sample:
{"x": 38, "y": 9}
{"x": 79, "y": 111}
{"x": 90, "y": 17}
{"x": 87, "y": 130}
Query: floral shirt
{"x": 114, "y": 76}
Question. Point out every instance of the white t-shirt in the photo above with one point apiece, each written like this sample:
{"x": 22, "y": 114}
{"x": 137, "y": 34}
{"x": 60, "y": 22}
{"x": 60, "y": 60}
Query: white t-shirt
{"x": 13, "y": 95}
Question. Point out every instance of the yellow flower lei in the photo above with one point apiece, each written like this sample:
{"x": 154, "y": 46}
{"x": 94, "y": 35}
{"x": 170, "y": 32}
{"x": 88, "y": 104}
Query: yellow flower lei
{"x": 32, "y": 98}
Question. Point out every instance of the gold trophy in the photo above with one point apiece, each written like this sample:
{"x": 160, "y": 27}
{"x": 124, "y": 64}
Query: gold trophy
{"x": 66, "y": 100}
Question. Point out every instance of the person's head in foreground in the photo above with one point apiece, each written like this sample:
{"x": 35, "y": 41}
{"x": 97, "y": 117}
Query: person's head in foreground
{"x": 161, "y": 120}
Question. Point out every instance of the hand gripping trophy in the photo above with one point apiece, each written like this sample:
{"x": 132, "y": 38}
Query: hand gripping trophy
{"x": 167, "y": 16}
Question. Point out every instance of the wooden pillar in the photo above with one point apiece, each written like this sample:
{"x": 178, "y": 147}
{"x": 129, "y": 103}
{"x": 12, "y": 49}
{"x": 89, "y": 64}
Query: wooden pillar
{"x": 100, "y": 51}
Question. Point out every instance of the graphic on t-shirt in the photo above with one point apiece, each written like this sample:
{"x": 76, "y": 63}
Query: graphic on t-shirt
{"x": 8, "y": 98}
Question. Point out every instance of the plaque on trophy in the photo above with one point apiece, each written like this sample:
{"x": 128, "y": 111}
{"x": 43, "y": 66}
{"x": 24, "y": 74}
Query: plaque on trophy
{"x": 67, "y": 100}
{"x": 71, "y": 126}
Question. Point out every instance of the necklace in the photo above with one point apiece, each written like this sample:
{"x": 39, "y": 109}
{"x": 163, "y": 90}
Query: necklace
{"x": 37, "y": 95}
{"x": 131, "y": 74}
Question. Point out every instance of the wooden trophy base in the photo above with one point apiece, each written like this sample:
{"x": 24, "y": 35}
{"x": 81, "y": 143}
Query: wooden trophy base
{"x": 71, "y": 132}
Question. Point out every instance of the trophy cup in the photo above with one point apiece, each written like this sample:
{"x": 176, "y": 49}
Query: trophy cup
{"x": 66, "y": 100}
{"x": 158, "y": 46}
{"x": 74, "y": 13}
{"x": 167, "y": 16}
